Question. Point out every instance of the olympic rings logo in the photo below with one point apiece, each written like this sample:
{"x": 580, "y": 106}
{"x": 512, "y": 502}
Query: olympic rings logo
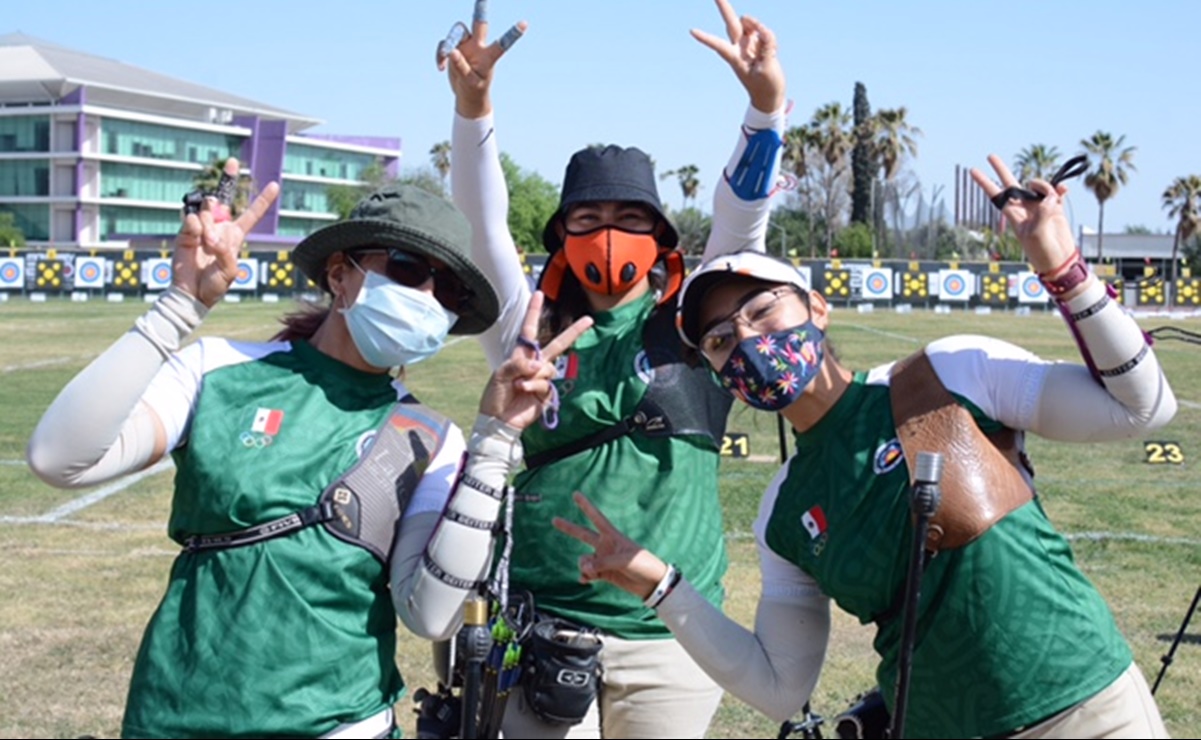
{"x": 259, "y": 441}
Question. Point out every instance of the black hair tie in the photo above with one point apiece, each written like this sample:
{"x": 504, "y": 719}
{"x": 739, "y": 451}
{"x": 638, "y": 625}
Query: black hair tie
{"x": 1074, "y": 167}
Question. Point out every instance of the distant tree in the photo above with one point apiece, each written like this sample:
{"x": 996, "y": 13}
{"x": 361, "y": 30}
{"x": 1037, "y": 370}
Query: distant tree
{"x": 440, "y": 159}
{"x": 207, "y": 180}
{"x": 800, "y": 157}
{"x": 1139, "y": 229}
{"x": 532, "y": 202}
{"x": 690, "y": 184}
{"x": 693, "y": 227}
{"x": 832, "y": 125}
{"x": 862, "y": 170}
{"x": 895, "y": 139}
{"x": 854, "y": 242}
{"x": 1182, "y": 199}
{"x": 1190, "y": 252}
{"x": 10, "y": 234}
{"x": 1110, "y": 164}
{"x": 1001, "y": 245}
{"x": 341, "y": 199}
{"x": 426, "y": 179}
{"x": 792, "y": 231}
{"x": 1037, "y": 161}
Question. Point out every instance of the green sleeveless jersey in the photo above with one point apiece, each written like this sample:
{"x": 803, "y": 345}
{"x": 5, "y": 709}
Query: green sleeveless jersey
{"x": 661, "y": 491}
{"x": 1009, "y": 630}
{"x": 286, "y": 637}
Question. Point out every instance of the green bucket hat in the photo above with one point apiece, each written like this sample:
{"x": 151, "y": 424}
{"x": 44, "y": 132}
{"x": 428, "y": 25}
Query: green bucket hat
{"x": 416, "y": 220}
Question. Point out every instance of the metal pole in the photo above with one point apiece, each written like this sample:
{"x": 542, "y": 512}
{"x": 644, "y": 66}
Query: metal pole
{"x": 924, "y": 503}
{"x": 1167, "y": 659}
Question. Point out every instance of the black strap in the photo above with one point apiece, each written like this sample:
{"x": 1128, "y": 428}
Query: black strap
{"x": 640, "y": 419}
{"x": 315, "y": 514}
{"x": 1071, "y": 168}
{"x": 1175, "y": 332}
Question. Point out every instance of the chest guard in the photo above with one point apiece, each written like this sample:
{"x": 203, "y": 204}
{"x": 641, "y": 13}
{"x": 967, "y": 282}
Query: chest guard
{"x": 680, "y": 400}
{"x": 368, "y": 500}
{"x": 981, "y": 481}
{"x": 362, "y": 506}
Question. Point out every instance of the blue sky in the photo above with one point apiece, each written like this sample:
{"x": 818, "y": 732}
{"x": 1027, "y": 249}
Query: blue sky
{"x": 975, "y": 77}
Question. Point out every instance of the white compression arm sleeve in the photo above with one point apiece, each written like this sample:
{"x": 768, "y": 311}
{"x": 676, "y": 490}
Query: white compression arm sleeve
{"x": 440, "y": 558}
{"x": 775, "y": 668}
{"x": 479, "y": 190}
{"x": 96, "y": 429}
{"x": 1135, "y": 396}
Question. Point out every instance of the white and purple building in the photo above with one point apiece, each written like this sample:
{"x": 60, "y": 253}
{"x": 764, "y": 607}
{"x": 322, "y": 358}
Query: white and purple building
{"x": 96, "y": 154}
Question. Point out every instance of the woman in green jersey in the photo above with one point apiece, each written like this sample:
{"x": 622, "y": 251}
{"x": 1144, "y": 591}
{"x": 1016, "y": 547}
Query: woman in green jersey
{"x": 635, "y": 424}
{"x": 1010, "y": 638}
{"x": 315, "y": 499}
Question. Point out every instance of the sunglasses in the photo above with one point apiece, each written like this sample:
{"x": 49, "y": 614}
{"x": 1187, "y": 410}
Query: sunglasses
{"x": 413, "y": 270}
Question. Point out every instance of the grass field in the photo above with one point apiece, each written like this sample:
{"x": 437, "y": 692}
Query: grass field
{"x": 84, "y": 569}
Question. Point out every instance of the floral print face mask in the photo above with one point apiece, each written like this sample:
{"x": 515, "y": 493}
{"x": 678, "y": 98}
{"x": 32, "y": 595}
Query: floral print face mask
{"x": 770, "y": 371}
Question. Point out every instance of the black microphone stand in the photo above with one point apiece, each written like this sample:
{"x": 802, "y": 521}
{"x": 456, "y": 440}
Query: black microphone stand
{"x": 924, "y": 503}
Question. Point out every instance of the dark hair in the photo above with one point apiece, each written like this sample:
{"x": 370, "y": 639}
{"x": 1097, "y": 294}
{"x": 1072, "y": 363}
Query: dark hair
{"x": 302, "y": 323}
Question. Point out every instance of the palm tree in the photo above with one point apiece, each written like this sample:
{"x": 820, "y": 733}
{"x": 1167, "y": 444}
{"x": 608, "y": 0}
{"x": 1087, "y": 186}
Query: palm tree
{"x": 894, "y": 139}
{"x": 1183, "y": 201}
{"x": 440, "y": 159}
{"x": 1037, "y": 161}
{"x": 1111, "y": 164}
{"x": 801, "y": 142}
{"x": 690, "y": 185}
{"x": 832, "y": 126}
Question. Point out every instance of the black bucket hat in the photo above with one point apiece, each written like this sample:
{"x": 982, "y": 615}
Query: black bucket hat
{"x": 609, "y": 173}
{"x": 416, "y": 220}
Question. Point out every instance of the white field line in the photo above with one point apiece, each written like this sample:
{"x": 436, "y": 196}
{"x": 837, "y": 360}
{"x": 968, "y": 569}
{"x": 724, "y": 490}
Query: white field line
{"x": 881, "y": 332}
{"x": 91, "y": 497}
{"x": 42, "y": 363}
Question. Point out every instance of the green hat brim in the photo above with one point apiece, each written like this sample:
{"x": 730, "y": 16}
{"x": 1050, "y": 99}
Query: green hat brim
{"x": 310, "y": 255}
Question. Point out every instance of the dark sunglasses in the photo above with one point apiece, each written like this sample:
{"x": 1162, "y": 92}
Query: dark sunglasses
{"x": 412, "y": 270}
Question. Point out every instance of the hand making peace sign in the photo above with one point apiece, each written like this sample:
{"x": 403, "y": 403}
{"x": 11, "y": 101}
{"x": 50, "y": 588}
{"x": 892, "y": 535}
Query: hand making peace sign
{"x": 471, "y": 59}
{"x": 616, "y": 558}
{"x": 521, "y": 387}
{"x": 205, "y": 262}
{"x": 751, "y": 53}
{"x": 1040, "y": 225}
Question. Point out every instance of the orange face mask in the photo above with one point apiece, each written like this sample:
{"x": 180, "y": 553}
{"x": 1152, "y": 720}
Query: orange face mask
{"x": 608, "y": 260}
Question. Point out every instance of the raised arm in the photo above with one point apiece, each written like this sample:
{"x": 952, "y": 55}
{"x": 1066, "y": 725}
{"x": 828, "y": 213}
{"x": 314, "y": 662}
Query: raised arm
{"x": 1127, "y": 393}
{"x": 476, "y": 179}
{"x": 99, "y": 427}
{"x": 441, "y": 557}
{"x": 742, "y": 200}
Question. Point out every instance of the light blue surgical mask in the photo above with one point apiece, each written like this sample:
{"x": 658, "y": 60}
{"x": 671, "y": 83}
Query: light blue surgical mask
{"x": 392, "y": 325}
